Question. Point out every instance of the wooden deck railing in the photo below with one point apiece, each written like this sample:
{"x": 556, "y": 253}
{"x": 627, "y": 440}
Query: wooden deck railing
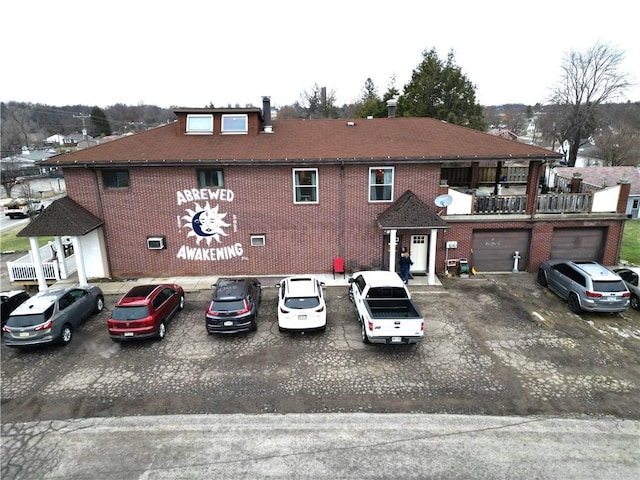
{"x": 547, "y": 203}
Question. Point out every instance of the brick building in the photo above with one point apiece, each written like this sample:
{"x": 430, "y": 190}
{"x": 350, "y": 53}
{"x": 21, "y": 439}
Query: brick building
{"x": 228, "y": 191}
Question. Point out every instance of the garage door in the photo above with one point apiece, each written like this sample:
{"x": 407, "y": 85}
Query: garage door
{"x": 578, "y": 243}
{"x": 493, "y": 250}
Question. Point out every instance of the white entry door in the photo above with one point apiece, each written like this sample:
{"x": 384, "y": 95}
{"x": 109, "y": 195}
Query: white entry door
{"x": 418, "y": 252}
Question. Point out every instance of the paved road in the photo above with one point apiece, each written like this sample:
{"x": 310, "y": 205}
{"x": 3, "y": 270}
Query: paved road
{"x": 323, "y": 446}
{"x": 499, "y": 350}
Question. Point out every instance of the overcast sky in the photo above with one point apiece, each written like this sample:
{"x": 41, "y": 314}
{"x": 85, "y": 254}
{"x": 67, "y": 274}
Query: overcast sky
{"x": 191, "y": 53}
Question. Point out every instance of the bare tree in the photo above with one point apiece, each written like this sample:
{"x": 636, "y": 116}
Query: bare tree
{"x": 590, "y": 78}
{"x": 618, "y": 147}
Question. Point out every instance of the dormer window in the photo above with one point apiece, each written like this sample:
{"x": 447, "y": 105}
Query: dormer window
{"x": 234, "y": 124}
{"x": 200, "y": 124}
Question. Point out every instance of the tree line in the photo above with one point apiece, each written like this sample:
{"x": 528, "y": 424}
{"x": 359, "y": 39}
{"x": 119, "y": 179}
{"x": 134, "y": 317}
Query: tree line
{"x": 581, "y": 108}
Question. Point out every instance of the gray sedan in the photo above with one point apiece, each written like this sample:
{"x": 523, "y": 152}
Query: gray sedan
{"x": 631, "y": 276}
{"x": 51, "y": 316}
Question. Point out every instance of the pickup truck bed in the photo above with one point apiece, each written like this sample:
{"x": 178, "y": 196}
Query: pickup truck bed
{"x": 381, "y": 308}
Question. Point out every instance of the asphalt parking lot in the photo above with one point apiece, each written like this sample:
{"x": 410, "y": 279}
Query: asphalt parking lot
{"x": 494, "y": 345}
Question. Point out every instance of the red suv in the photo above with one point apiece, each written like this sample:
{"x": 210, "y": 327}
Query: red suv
{"x": 144, "y": 311}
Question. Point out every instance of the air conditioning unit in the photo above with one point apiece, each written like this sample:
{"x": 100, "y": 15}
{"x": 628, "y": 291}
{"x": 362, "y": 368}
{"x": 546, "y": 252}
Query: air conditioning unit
{"x": 156, "y": 243}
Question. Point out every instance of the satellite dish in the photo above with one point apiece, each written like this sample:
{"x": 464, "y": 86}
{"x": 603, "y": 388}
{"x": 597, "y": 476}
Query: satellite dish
{"x": 443, "y": 200}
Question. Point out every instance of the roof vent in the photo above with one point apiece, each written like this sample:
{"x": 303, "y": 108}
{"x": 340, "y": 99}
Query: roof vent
{"x": 351, "y": 124}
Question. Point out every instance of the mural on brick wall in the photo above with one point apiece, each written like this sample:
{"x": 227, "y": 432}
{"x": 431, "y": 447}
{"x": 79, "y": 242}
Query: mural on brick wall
{"x": 209, "y": 225}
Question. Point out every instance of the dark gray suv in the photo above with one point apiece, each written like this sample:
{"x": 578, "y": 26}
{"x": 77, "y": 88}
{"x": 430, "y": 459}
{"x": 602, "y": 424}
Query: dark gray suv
{"x": 234, "y": 306}
{"x": 585, "y": 285}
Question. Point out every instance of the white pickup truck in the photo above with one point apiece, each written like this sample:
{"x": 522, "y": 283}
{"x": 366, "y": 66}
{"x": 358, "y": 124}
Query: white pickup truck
{"x": 386, "y": 312}
{"x": 22, "y": 208}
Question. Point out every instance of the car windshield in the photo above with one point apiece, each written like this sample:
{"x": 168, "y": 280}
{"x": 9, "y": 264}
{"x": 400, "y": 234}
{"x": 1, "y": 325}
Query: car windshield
{"x": 227, "y": 306}
{"x": 130, "y": 313}
{"x": 26, "y": 320}
{"x": 609, "y": 286}
{"x": 302, "y": 302}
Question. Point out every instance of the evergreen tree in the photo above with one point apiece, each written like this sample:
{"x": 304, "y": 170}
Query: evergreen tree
{"x": 440, "y": 90}
{"x": 99, "y": 123}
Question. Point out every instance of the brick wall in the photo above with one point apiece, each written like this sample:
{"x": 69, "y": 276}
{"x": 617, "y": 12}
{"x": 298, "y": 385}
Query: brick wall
{"x": 300, "y": 238}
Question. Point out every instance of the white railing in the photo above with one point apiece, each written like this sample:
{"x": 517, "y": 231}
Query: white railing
{"x": 24, "y": 268}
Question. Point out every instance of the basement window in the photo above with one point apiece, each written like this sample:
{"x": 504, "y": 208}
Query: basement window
{"x": 234, "y": 124}
{"x": 258, "y": 240}
{"x": 200, "y": 124}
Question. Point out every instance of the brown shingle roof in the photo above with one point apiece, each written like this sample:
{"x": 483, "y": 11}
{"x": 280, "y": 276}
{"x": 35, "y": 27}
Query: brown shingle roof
{"x": 409, "y": 211}
{"x": 596, "y": 175}
{"x": 411, "y": 139}
{"x": 63, "y": 217}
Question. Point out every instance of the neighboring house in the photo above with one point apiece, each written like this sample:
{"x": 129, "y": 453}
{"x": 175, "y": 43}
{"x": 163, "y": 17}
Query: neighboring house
{"x": 69, "y": 143}
{"x": 599, "y": 178}
{"x": 228, "y": 191}
{"x": 504, "y": 133}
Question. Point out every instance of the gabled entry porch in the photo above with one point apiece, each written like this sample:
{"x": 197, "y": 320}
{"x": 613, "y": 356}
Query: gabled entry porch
{"x": 64, "y": 218}
{"x": 410, "y": 223}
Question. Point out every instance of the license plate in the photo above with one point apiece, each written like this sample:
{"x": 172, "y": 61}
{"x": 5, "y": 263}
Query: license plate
{"x": 396, "y": 339}
{"x": 302, "y": 317}
{"x": 24, "y": 334}
{"x": 228, "y": 324}
{"x": 128, "y": 334}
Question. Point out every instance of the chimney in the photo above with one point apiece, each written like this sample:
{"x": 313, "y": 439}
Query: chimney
{"x": 391, "y": 108}
{"x": 266, "y": 113}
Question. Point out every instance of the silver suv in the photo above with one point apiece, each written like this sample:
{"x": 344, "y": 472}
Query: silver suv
{"x": 585, "y": 285}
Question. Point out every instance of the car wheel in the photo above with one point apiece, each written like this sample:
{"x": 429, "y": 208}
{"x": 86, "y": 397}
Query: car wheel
{"x": 65, "y": 334}
{"x": 181, "y": 304}
{"x": 162, "y": 331}
{"x": 574, "y": 303}
{"x": 542, "y": 277}
{"x": 363, "y": 331}
{"x": 99, "y": 304}
{"x": 635, "y": 302}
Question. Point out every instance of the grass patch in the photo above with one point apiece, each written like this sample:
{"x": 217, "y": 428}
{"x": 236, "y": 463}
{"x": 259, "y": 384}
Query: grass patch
{"x": 9, "y": 242}
{"x": 630, "y": 249}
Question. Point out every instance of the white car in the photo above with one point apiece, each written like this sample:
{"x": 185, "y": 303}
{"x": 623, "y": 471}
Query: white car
{"x": 301, "y": 306}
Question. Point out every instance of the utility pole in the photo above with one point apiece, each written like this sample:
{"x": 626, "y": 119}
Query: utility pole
{"x": 84, "y": 128}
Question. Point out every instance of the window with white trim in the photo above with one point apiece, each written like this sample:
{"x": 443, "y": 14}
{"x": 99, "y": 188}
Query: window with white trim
{"x": 235, "y": 123}
{"x": 258, "y": 240}
{"x": 201, "y": 124}
{"x": 305, "y": 185}
{"x": 380, "y": 184}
